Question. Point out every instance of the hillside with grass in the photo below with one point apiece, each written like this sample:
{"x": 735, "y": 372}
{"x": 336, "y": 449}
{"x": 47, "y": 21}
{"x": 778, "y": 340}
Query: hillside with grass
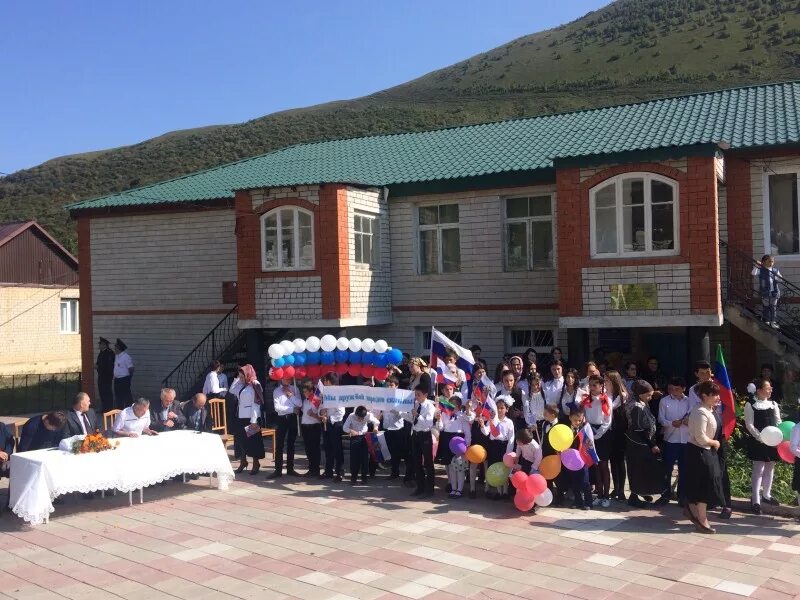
{"x": 631, "y": 50}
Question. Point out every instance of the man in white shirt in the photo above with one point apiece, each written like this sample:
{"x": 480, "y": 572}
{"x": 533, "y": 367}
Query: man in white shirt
{"x": 673, "y": 416}
{"x": 422, "y": 419}
{"x": 213, "y": 387}
{"x": 134, "y": 420}
{"x": 332, "y": 434}
{"x": 123, "y": 373}
{"x": 288, "y": 403}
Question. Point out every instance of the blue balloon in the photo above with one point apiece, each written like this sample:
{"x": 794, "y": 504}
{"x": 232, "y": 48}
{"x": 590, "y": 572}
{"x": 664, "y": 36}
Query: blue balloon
{"x": 340, "y": 355}
{"x": 288, "y": 359}
{"x": 300, "y": 359}
{"x": 395, "y": 356}
{"x": 278, "y": 362}
{"x": 355, "y": 358}
{"x": 381, "y": 360}
{"x": 312, "y": 358}
{"x": 368, "y": 358}
{"x": 327, "y": 358}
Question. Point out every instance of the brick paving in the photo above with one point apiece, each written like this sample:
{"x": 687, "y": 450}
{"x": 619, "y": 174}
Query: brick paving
{"x": 294, "y": 538}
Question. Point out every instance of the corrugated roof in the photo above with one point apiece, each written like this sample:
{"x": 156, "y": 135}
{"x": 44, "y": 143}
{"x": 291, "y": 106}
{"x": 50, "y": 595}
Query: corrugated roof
{"x": 764, "y": 115}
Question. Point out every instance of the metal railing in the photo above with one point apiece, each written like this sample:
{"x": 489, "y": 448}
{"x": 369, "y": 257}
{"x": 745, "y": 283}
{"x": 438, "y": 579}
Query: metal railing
{"x": 742, "y": 290}
{"x": 33, "y": 393}
{"x": 225, "y": 334}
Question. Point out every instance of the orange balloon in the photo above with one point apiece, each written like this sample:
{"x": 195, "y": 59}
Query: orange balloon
{"x": 550, "y": 466}
{"x": 476, "y": 454}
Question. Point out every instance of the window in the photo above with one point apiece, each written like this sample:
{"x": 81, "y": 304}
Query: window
{"x": 439, "y": 241}
{"x": 69, "y": 315}
{"x": 529, "y": 233}
{"x": 541, "y": 340}
{"x": 367, "y": 242}
{"x": 635, "y": 214}
{"x": 287, "y": 240}
{"x": 425, "y": 338}
{"x": 784, "y": 225}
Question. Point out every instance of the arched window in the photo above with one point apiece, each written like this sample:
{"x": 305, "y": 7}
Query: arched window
{"x": 287, "y": 239}
{"x": 634, "y": 214}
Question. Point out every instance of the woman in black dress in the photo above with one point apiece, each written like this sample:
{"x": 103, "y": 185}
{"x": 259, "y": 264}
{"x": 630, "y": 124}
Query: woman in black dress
{"x": 642, "y": 455}
{"x": 616, "y": 389}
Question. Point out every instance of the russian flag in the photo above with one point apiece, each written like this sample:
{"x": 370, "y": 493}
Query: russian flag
{"x": 316, "y": 398}
{"x": 441, "y": 344}
{"x": 493, "y": 428}
{"x": 587, "y": 453}
{"x": 443, "y": 374}
{"x": 377, "y": 447}
{"x": 725, "y": 394}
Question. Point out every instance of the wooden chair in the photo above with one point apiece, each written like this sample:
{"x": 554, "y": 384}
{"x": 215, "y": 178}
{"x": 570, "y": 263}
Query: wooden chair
{"x": 220, "y": 419}
{"x": 108, "y": 418}
{"x": 18, "y": 430}
{"x": 270, "y": 433}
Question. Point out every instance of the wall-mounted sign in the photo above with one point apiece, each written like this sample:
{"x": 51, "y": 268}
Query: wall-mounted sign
{"x": 634, "y": 296}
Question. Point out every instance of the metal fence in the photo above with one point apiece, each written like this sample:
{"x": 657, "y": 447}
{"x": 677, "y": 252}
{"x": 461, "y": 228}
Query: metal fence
{"x": 24, "y": 394}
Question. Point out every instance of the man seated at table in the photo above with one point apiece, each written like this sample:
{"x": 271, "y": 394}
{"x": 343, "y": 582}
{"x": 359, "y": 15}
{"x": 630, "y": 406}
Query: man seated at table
{"x": 42, "y": 431}
{"x": 168, "y": 415}
{"x": 82, "y": 419}
{"x": 134, "y": 420}
{"x": 198, "y": 416}
{"x": 6, "y": 448}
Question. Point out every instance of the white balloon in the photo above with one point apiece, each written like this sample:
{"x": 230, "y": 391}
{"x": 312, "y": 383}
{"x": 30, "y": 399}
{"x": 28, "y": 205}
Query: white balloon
{"x": 299, "y": 345}
{"x": 771, "y": 436}
{"x": 312, "y": 344}
{"x": 381, "y": 346}
{"x": 288, "y": 347}
{"x": 275, "y": 351}
{"x": 354, "y": 345}
{"x": 342, "y": 343}
{"x": 327, "y": 343}
{"x": 545, "y": 498}
{"x": 368, "y": 344}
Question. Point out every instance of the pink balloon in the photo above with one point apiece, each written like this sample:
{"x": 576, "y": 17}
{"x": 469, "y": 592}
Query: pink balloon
{"x": 519, "y": 480}
{"x": 571, "y": 459}
{"x": 523, "y": 501}
{"x": 509, "y": 459}
{"x": 786, "y": 453}
{"x": 535, "y": 484}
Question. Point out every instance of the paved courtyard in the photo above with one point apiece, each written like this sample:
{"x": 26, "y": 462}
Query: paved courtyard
{"x": 325, "y": 541}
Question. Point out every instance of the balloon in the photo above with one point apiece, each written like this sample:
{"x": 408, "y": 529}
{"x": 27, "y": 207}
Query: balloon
{"x": 381, "y": 360}
{"x": 368, "y": 358}
{"x": 550, "y": 466}
{"x": 312, "y": 344}
{"x": 354, "y": 345}
{"x": 522, "y": 500}
{"x": 368, "y": 345}
{"x": 327, "y": 358}
{"x": 327, "y": 343}
{"x": 560, "y": 437}
{"x": 354, "y": 370}
{"x": 287, "y": 346}
{"x": 785, "y": 452}
{"x": 367, "y": 370}
{"x": 395, "y": 356}
{"x": 355, "y": 358}
{"x": 786, "y": 429}
{"x": 455, "y": 445}
{"x": 340, "y": 356}
{"x": 342, "y": 343}
{"x": 276, "y": 373}
{"x": 300, "y": 359}
{"x": 289, "y": 359}
{"x": 278, "y": 362}
{"x": 572, "y": 459}
{"x": 518, "y": 480}
{"x": 545, "y": 498}
{"x": 299, "y": 345}
{"x": 313, "y": 371}
{"x": 275, "y": 351}
{"x": 313, "y": 358}
{"x": 536, "y": 484}
{"x": 300, "y": 372}
{"x": 771, "y": 436}
{"x": 510, "y": 459}
{"x": 288, "y": 372}
{"x": 476, "y": 454}
{"x": 381, "y": 346}
{"x": 381, "y": 373}
{"x": 497, "y": 475}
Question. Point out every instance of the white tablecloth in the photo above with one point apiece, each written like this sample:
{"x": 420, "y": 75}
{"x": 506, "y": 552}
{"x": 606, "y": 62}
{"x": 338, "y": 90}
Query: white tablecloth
{"x": 39, "y": 476}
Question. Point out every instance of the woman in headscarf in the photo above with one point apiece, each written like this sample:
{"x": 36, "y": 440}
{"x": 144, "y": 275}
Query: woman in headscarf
{"x": 247, "y": 435}
{"x": 419, "y": 375}
{"x": 645, "y": 473}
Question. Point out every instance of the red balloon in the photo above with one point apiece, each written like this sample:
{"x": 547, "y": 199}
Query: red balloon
{"x": 313, "y": 371}
{"x": 786, "y": 453}
{"x": 518, "y": 480}
{"x": 522, "y": 500}
{"x": 354, "y": 370}
{"x": 535, "y": 485}
{"x": 381, "y": 373}
{"x": 276, "y": 373}
{"x": 367, "y": 371}
{"x": 341, "y": 368}
{"x": 300, "y": 372}
{"x": 288, "y": 371}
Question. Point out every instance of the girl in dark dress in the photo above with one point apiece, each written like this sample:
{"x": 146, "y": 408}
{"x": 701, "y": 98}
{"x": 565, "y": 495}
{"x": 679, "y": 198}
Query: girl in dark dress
{"x": 760, "y": 412}
{"x": 642, "y": 455}
{"x": 616, "y": 389}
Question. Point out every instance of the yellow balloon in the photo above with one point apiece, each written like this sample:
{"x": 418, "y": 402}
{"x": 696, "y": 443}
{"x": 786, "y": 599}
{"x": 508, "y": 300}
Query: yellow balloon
{"x": 550, "y": 466}
{"x": 475, "y": 454}
{"x": 560, "y": 437}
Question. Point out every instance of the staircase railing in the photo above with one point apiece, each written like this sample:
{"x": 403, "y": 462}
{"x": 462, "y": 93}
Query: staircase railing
{"x": 184, "y": 376}
{"x": 742, "y": 289}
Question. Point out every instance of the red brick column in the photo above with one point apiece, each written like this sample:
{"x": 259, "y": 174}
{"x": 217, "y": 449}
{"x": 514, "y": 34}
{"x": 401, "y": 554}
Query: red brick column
{"x": 572, "y": 218}
{"x": 740, "y": 210}
{"x": 248, "y": 254}
{"x": 702, "y": 242}
{"x": 85, "y": 304}
{"x": 334, "y": 254}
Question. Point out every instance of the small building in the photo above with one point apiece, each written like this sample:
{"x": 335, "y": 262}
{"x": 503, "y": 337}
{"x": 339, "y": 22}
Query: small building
{"x": 631, "y": 228}
{"x": 39, "y": 303}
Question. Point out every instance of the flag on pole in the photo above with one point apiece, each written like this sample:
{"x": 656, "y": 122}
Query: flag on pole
{"x": 725, "y": 393}
{"x": 588, "y": 454}
{"x": 316, "y": 397}
{"x": 446, "y": 406}
{"x": 440, "y": 344}
{"x": 443, "y": 374}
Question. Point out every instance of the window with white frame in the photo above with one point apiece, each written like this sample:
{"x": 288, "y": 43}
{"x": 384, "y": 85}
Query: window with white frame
{"x": 69, "y": 315}
{"x": 439, "y": 239}
{"x": 287, "y": 239}
{"x": 784, "y": 215}
{"x": 529, "y": 232}
{"x": 541, "y": 340}
{"x": 367, "y": 243}
{"x": 424, "y": 338}
{"x": 634, "y": 214}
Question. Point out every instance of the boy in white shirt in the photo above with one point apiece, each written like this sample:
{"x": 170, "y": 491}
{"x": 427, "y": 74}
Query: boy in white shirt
{"x": 356, "y": 426}
{"x": 673, "y": 416}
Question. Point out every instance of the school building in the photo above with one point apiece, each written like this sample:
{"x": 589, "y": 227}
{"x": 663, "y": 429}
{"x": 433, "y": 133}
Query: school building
{"x": 631, "y": 227}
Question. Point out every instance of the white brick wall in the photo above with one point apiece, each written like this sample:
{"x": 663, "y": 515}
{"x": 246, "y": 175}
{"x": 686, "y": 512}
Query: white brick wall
{"x": 289, "y": 298}
{"x": 304, "y": 192}
{"x": 673, "y": 285}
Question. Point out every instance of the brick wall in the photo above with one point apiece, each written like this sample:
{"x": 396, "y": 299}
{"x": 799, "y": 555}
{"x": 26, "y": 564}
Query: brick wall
{"x": 289, "y": 298}
{"x": 672, "y": 284}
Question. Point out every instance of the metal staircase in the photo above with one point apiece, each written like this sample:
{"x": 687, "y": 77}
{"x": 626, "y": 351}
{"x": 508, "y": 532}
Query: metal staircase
{"x": 742, "y": 306}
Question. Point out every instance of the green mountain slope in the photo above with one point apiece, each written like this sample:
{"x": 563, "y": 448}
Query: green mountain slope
{"x": 628, "y": 51}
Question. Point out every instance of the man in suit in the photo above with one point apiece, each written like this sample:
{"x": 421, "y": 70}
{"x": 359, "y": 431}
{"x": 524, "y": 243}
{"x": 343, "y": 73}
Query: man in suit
{"x": 42, "y": 431}
{"x": 198, "y": 416}
{"x": 82, "y": 419}
{"x": 167, "y": 416}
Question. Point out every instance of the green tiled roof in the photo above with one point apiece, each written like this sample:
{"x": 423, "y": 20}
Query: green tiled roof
{"x": 765, "y": 115}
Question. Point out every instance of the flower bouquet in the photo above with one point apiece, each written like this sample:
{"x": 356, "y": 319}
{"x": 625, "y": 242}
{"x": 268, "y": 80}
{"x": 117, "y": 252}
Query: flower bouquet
{"x": 93, "y": 442}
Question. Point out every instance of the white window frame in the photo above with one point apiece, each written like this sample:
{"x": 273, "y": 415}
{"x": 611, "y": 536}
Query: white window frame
{"x": 375, "y": 259}
{"x": 424, "y": 350}
{"x": 539, "y": 349}
{"x": 72, "y": 324}
{"x": 529, "y": 239}
{"x": 438, "y": 228}
{"x": 648, "y": 216}
{"x": 766, "y": 200}
{"x": 296, "y": 210}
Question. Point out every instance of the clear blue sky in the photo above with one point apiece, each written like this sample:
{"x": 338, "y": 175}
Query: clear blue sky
{"x": 94, "y": 74}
